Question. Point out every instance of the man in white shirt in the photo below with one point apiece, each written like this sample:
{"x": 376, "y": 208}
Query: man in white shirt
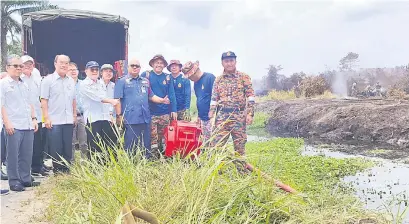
{"x": 79, "y": 135}
{"x": 96, "y": 114}
{"x": 60, "y": 114}
{"x": 20, "y": 123}
{"x": 33, "y": 80}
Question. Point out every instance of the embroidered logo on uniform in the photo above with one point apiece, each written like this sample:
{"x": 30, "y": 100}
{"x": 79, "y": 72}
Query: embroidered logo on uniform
{"x": 164, "y": 82}
{"x": 228, "y": 53}
{"x": 202, "y": 86}
{"x": 128, "y": 80}
{"x": 180, "y": 85}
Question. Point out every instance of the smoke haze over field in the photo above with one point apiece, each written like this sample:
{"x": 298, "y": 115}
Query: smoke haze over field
{"x": 340, "y": 84}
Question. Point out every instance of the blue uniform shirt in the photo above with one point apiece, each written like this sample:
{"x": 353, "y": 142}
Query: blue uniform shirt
{"x": 181, "y": 86}
{"x": 134, "y": 94}
{"x": 161, "y": 86}
{"x": 203, "y": 90}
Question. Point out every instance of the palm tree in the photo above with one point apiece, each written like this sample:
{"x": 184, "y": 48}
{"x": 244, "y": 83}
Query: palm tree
{"x": 10, "y": 25}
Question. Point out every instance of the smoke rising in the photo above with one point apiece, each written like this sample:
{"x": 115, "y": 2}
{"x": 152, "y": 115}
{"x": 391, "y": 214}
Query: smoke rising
{"x": 339, "y": 84}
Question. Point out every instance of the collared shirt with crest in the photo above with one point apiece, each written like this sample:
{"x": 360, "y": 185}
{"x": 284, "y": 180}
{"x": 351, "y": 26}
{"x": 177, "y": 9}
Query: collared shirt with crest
{"x": 92, "y": 93}
{"x": 16, "y": 101}
{"x": 109, "y": 89}
{"x": 182, "y": 92}
{"x": 161, "y": 86}
{"x": 134, "y": 94}
{"x": 34, "y": 83}
{"x": 234, "y": 91}
{"x": 203, "y": 90}
{"x": 60, "y": 92}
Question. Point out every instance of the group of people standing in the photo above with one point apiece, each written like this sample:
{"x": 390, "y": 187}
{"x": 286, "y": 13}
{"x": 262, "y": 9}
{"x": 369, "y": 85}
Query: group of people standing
{"x": 85, "y": 111}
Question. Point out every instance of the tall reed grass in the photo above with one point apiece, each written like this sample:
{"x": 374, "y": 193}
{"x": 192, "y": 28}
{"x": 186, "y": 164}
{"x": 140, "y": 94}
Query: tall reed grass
{"x": 210, "y": 189}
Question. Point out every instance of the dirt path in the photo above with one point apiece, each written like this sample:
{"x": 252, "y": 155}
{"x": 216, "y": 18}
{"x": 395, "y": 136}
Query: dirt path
{"x": 23, "y": 207}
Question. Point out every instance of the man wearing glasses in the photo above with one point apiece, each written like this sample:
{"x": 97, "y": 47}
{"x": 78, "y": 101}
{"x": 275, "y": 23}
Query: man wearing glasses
{"x": 20, "y": 124}
{"x": 134, "y": 93}
{"x": 60, "y": 113}
{"x": 79, "y": 135}
{"x": 163, "y": 87}
{"x": 33, "y": 80}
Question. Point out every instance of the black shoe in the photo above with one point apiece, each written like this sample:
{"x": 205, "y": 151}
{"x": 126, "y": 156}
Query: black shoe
{"x": 43, "y": 173}
{"x": 32, "y": 184}
{"x": 17, "y": 187}
{"x": 4, "y": 192}
{"x": 48, "y": 168}
{"x": 4, "y": 176}
{"x": 61, "y": 171}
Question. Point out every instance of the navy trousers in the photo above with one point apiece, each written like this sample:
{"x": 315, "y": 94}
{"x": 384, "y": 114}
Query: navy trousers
{"x": 60, "y": 146}
{"x": 138, "y": 136}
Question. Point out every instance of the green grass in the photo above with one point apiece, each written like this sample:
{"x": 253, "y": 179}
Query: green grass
{"x": 193, "y": 107}
{"x": 210, "y": 190}
{"x": 259, "y": 124}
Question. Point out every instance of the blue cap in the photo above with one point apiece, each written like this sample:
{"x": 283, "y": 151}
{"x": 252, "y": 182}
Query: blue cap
{"x": 91, "y": 64}
{"x": 229, "y": 54}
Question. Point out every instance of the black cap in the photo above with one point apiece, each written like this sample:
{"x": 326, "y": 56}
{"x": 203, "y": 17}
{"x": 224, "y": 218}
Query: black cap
{"x": 228, "y": 54}
{"x": 91, "y": 64}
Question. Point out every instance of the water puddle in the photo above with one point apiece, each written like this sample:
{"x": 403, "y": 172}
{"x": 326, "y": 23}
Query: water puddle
{"x": 254, "y": 138}
{"x": 384, "y": 187}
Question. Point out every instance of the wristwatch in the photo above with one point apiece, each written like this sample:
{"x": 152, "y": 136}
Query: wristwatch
{"x": 33, "y": 118}
{"x": 118, "y": 115}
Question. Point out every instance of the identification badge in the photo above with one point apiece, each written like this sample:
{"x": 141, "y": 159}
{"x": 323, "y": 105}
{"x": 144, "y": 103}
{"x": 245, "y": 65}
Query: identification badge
{"x": 143, "y": 89}
{"x": 202, "y": 86}
{"x": 164, "y": 82}
{"x": 180, "y": 85}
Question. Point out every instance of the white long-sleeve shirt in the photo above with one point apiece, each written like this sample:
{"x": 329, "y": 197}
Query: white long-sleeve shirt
{"x": 92, "y": 93}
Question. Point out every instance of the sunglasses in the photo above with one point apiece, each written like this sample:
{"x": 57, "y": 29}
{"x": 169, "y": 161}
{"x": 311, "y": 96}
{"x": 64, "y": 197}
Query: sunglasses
{"x": 17, "y": 66}
{"x": 135, "y": 66}
{"x": 94, "y": 69}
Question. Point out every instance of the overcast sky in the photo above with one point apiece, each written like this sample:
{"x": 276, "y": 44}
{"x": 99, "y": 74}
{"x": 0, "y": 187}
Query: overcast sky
{"x": 299, "y": 35}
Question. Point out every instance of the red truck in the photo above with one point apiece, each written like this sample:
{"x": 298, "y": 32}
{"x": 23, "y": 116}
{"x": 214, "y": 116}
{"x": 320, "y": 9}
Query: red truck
{"x": 82, "y": 35}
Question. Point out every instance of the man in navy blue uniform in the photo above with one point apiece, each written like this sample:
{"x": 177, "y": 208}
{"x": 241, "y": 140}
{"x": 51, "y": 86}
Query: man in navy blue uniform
{"x": 203, "y": 85}
{"x": 134, "y": 93}
{"x": 161, "y": 86}
{"x": 182, "y": 90}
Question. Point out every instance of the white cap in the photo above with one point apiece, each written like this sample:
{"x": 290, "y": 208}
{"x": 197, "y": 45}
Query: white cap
{"x": 104, "y": 66}
{"x": 26, "y": 58}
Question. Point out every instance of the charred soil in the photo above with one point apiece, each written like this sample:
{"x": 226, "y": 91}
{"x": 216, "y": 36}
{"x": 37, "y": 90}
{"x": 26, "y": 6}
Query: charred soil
{"x": 361, "y": 124}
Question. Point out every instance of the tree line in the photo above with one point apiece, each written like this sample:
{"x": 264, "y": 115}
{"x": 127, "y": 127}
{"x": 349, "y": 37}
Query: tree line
{"x": 348, "y": 72}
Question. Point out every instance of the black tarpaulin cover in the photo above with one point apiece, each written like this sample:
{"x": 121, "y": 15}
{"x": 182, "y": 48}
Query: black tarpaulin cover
{"x": 82, "y": 35}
